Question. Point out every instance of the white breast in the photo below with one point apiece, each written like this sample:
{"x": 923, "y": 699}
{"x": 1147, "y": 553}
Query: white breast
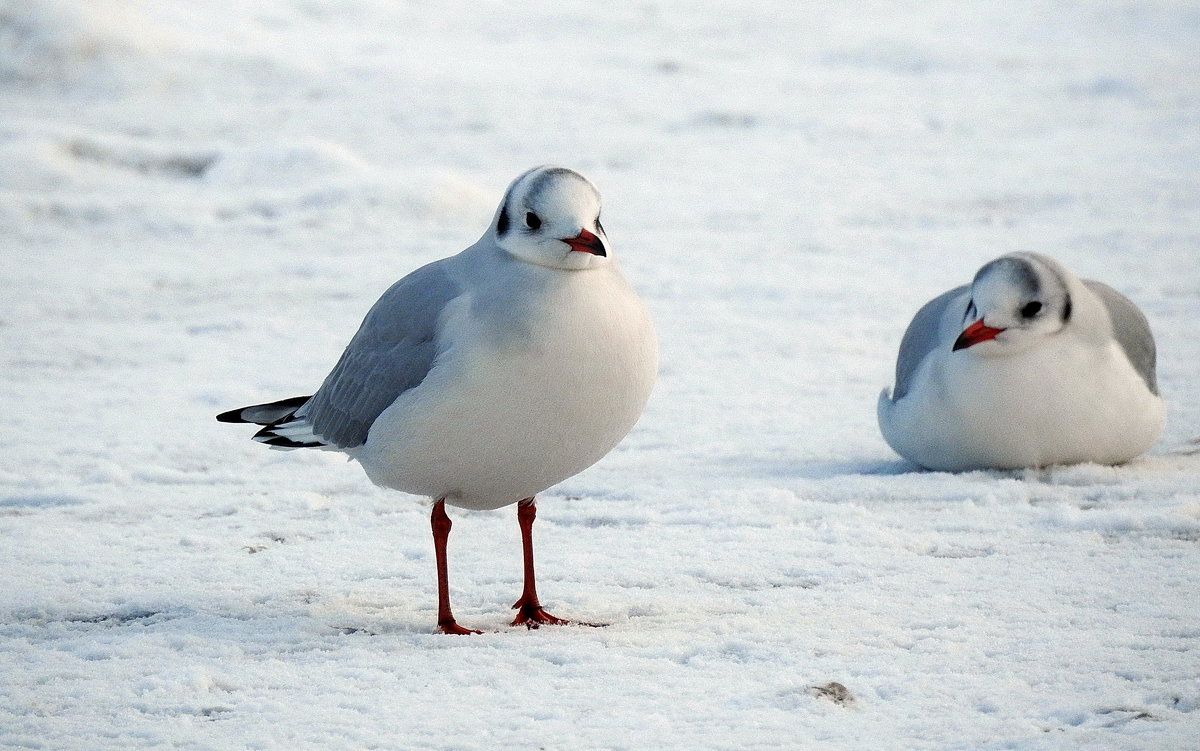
{"x": 1067, "y": 403}
{"x": 513, "y": 407}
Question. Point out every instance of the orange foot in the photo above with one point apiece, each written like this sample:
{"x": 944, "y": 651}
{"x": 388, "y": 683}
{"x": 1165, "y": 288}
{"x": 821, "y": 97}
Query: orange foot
{"x": 533, "y": 616}
{"x": 451, "y": 627}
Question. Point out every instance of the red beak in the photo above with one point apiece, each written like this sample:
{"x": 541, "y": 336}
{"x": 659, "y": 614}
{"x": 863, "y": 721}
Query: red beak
{"x": 974, "y": 334}
{"x": 586, "y": 242}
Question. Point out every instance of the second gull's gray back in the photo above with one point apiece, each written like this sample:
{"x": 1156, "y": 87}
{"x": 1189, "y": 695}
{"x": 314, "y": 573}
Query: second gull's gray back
{"x": 921, "y": 338}
{"x": 1131, "y": 330}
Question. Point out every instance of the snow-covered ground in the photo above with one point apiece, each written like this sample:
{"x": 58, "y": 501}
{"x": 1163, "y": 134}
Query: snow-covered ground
{"x": 199, "y": 201}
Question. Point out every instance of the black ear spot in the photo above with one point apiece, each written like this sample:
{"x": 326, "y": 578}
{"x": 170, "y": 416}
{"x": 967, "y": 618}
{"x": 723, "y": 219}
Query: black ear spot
{"x": 1031, "y": 309}
{"x": 502, "y": 222}
{"x": 532, "y": 220}
{"x": 1067, "y": 309}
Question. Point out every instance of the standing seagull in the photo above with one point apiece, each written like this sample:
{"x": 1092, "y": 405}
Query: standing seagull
{"x": 1028, "y": 366}
{"x": 484, "y": 378}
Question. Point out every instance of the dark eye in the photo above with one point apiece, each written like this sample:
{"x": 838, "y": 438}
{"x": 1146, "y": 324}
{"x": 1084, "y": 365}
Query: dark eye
{"x": 1030, "y": 309}
{"x": 532, "y": 220}
{"x": 599, "y": 226}
{"x": 970, "y": 309}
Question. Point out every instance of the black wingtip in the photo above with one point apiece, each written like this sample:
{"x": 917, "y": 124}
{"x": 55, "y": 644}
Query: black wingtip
{"x": 279, "y": 441}
{"x": 264, "y": 414}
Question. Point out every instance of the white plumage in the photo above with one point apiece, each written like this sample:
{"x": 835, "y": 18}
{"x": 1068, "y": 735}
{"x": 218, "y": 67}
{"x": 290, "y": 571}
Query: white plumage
{"x": 1029, "y": 366}
{"x": 485, "y": 378}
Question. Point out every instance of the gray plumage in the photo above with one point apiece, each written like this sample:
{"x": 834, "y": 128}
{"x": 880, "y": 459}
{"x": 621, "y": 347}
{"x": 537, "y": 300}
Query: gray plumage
{"x": 1021, "y": 271}
{"x": 485, "y": 378}
{"x": 1131, "y": 330}
{"x": 1029, "y": 367}
{"x": 922, "y": 337}
{"x": 264, "y": 414}
{"x": 391, "y": 353}
{"x": 397, "y": 343}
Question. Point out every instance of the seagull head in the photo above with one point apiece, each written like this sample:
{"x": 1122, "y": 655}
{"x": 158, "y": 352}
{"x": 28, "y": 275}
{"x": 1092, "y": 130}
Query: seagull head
{"x": 1016, "y": 301}
{"x": 550, "y": 216}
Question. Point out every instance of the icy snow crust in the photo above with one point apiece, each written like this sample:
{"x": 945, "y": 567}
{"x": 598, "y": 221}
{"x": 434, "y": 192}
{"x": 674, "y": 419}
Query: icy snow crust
{"x": 199, "y": 201}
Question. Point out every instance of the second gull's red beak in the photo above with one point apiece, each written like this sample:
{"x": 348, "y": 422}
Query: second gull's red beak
{"x": 974, "y": 334}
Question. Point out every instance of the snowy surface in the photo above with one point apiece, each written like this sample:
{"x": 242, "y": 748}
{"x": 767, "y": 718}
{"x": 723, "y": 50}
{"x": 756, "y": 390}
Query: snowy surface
{"x": 199, "y": 201}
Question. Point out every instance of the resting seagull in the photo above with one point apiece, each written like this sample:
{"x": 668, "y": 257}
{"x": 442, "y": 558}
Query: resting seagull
{"x": 485, "y": 378}
{"x": 1028, "y": 366}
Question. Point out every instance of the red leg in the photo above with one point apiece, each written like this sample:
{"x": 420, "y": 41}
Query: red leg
{"x": 529, "y": 611}
{"x": 441, "y": 531}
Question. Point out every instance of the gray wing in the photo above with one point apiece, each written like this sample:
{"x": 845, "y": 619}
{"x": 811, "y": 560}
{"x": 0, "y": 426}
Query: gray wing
{"x": 1131, "y": 330}
{"x": 391, "y": 353}
{"x": 921, "y": 338}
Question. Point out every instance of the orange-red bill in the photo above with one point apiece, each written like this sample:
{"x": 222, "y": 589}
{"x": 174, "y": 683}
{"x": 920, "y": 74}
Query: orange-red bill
{"x": 586, "y": 242}
{"x": 974, "y": 334}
